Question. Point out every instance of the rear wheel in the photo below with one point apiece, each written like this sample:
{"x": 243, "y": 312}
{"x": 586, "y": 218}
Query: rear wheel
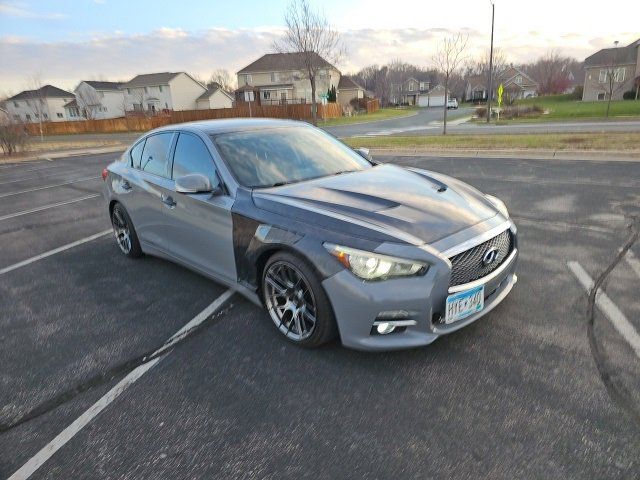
{"x": 296, "y": 301}
{"x": 125, "y": 234}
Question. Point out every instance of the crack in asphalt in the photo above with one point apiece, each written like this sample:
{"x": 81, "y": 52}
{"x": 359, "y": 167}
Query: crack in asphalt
{"x": 112, "y": 373}
{"x": 613, "y": 382}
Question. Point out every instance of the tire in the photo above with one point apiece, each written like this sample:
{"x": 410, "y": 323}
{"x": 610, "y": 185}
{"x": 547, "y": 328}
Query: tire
{"x": 284, "y": 277}
{"x": 124, "y": 232}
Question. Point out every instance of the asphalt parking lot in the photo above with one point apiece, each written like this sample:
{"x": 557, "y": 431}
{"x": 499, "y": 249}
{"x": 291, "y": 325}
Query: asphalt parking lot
{"x": 517, "y": 394}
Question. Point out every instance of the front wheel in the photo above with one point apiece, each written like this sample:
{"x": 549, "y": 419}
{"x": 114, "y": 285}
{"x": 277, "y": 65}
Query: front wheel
{"x": 125, "y": 234}
{"x": 296, "y": 301}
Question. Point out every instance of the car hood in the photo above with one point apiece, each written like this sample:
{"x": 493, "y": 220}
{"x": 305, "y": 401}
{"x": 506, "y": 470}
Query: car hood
{"x": 413, "y": 205}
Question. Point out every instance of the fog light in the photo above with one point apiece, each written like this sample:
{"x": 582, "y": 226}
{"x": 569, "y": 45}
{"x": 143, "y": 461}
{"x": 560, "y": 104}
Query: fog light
{"x": 384, "y": 328}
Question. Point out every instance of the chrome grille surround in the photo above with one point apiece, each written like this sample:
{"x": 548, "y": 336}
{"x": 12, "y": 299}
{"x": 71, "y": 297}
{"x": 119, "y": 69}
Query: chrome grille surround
{"x": 468, "y": 266}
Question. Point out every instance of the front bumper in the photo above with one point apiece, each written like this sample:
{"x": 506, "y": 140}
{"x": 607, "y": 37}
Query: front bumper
{"x": 358, "y": 304}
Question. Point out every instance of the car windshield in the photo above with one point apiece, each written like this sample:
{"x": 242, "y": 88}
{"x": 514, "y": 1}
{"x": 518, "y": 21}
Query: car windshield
{"x": 277, "y": 156}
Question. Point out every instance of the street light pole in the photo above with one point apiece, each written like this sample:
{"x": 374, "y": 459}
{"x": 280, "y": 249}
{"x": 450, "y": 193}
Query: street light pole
{"x": 489, "y": 93}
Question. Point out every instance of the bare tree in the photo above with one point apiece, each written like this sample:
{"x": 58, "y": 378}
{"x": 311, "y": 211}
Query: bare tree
{"x": 12, "y": 135}
{"x": 551, "y": 72}
{"x": 480, "y": 67}
{"x": 613, "y": 73}
{"x": 448, "y": 59}
{"x": 36, "y": 101}
{"x": 309, "y": 34}
{"x": 88, "y": 102}
{"x": 223, "y": 78}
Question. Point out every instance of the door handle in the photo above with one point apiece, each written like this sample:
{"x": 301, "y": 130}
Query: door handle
{"x": 125, "y": 186}
{"x": 169, "y": 202}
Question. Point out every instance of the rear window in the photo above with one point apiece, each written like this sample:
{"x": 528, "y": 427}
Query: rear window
{"x": 136, "y": 154}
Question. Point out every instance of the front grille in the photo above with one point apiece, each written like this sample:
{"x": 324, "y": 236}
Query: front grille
{"x": 468, "y": 265}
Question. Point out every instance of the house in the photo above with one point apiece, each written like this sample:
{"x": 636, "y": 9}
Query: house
{"x": 575, "y": 78}
{"x": 516, "y": 84}
{"x": 281, "y": 78}
{"x": 72, "y": 112}
{"x": 43, "y": 104}
{"x": 433, "y": 98}
{"x": 348, "y": 90}
{"x": 214, "y": 97}
{"x": 409, "y": 91}
{"x": 99, "y": 99}
{"x": 623, "y": 63}
{"x": 154, "y": 92}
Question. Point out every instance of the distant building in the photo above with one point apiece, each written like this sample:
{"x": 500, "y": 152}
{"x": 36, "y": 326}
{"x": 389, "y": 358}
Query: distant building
{"x": 155, "y": 92}
{"x": 43, "y": 104}
{"x": 281, "y": 78}
{"x": 214, "y": 97}
{"x": 72, "y": 112}
{"x": 347, "y": 90}
{"x": 516, "y": 84}
{"x": 409, "y": 91}
{"x": 623, "y": 63}
{"x": 98, "y": 99}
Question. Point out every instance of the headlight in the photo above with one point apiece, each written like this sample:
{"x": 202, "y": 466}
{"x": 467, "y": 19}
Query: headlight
{"x": 499, "y": 204}
{"x": 373, "y": 266}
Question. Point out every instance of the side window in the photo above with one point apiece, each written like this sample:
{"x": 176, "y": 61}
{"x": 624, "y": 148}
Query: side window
{"x": 192, "y": 156}
{"x": 136, "y": 154}
{"x": 155, "y": 153}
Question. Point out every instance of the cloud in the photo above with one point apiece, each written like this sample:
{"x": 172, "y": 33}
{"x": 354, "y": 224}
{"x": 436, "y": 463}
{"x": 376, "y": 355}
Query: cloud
{"x": 119, "y": 56}
{"x": 16, "y": 9}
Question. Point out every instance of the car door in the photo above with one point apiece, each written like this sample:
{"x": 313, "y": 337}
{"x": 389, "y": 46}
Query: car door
{"x": 200, "y": 227}
{"x": 147, "y": 187}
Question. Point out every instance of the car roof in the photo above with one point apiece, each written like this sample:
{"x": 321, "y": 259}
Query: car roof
{"x": 214, "y": 127}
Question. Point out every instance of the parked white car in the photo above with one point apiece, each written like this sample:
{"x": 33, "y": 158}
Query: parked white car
{"x": 452, "y": 103}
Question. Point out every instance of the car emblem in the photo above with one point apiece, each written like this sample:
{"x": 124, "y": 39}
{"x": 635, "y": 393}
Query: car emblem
{"x": 490, "y": 256}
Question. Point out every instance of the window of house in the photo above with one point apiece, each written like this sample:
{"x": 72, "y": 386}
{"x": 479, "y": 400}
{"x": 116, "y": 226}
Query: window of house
{"x": 101, "y": 94}
{"x": 266, "y": 95}
{"x": 37, "y": 115}
{"x": 519, "y": 79}
{"x": 411, "y": 86}
{"x": 618, "y": 74}
{"x": 16, "y": 104}
{"x": 128, "y": 91}
{"x": 16, "y": 117}
{"x": 28, "y": 117}
{"x": 247, "y": 79}
{"x": 275, "y": 77}
{"x": 146, "y": 90}
{"x": 602, "y": 77}
{"x": 59, "y": 115}
{"x": 322, "y": 72}
{"x": 45, "y": 116}
{"x": 422, "y": 86}
{"x": 159, "y": 88}
{"x": 601, "y": 96}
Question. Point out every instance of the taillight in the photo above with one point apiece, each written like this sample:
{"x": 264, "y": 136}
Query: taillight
{"x": 105, "y": 173}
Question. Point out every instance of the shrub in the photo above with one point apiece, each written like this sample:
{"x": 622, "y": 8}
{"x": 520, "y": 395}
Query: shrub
{"x": 577, "y": 93}
{"x": 630, "y": 95}
{"x": 481, "y": 112}
{"x": 13, "y": 136}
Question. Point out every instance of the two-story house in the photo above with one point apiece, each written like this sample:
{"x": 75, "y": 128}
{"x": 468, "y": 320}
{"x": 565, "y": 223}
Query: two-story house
{"x": 281, "y": 78}
{"x": 409, "y": 91}
{"x": 154, "y": 92}
{"x": 621, "y": 63}
{"x": 99, "y": 99}
{"x": 515, "y": 82}
{"x": 43, "y": 104}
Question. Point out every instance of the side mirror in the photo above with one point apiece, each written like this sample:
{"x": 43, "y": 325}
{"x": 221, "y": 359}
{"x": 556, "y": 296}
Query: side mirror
{"x": 193, "y": 183}
{"x": 365, "y": 153}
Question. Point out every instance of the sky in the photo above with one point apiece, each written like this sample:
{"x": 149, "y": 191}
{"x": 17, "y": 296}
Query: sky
{"x": 65, "y": 41}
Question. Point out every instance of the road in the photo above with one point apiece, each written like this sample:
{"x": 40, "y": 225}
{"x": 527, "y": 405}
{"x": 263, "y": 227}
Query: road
{"x": 515, "y": 395}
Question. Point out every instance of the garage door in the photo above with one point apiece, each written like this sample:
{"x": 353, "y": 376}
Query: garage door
{"x": 431, "y": 100}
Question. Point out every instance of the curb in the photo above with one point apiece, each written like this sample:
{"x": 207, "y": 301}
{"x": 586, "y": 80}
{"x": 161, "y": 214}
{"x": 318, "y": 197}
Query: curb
{"x": 575, "y": 155}
{"x": 63, "y": 154}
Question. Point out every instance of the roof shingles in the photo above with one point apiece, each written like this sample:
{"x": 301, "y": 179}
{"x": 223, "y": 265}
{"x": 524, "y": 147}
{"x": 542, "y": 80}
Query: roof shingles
{"x": 279, "y": 62}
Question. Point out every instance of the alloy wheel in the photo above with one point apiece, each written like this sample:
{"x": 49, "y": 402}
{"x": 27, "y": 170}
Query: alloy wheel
{"x": 290, "y": 300}
{"x": 121, "y": 230}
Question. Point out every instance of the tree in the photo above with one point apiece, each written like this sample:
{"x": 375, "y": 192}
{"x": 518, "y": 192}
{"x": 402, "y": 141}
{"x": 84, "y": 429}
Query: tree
{"x": 480, "y": 67}
{"x": 88, "y": 101}
{"x": 613, "y": 74}
{"x": 309, "y": 34}
{"x": 551, "y": 72}
{"x": 223, "y": 78}
{"x": 12, "y": 135}
{"x": 448, "y": 59}
{"x": 36, "y": 100}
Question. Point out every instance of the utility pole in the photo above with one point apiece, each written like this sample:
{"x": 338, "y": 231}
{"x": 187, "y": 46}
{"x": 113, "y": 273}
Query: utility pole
{"x": 490, "y": 93}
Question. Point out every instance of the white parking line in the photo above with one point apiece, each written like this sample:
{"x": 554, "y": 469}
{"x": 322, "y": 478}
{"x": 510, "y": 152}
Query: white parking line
{"x": 40, "y": 177}
{"x": 83, "y": 420}
{"x": 28, "y": 261}
{"x": 610, "y": 309}
{"x": 633, "y": 262}
{"x": 35, "y": 189}
{"x": 46, "y": 207}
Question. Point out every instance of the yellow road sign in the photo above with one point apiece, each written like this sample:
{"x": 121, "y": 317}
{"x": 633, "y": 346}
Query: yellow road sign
{"x": 500, "y": 90}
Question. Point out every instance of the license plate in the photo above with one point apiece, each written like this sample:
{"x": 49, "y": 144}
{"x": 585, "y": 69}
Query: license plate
{"x": 462, "y": 304}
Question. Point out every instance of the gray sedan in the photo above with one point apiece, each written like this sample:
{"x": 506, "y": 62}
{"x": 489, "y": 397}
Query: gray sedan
{"x": 327, "y": 240}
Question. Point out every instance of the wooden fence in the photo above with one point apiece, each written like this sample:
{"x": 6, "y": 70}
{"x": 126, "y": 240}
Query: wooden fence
{"x": 142, "y": 124}
{"x": 373, "y": 105}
